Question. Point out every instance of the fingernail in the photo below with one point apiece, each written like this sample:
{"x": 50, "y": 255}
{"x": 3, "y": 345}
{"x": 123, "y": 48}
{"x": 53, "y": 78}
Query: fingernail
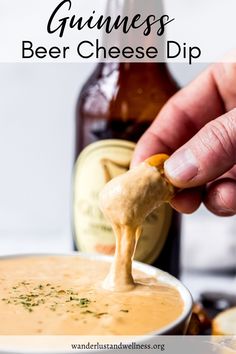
{"x": 182, "y": 166}
{"x": 226, "y": 210}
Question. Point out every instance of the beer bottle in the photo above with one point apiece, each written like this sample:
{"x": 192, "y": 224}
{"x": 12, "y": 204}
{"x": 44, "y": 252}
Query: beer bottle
{"x": 115, "y": 107}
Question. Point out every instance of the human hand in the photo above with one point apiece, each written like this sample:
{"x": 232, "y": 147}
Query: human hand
{"x": 197, "y": 127}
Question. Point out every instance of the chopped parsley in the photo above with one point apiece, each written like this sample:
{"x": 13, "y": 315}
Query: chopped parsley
{"x": 45, "y": 295}
{"x": 53, "y": 298}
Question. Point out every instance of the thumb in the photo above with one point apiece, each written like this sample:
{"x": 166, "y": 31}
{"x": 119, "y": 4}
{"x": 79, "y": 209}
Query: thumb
{"x": 209, "y": 154}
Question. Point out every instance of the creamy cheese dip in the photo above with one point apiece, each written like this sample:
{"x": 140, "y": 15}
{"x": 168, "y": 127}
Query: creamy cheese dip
{"x": 64, "y": 295}
{"x": 126, "y": 201}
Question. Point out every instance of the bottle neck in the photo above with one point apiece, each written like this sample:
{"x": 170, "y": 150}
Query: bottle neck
{"x": 132, "y": 31}
{"x": 106, "y": 68}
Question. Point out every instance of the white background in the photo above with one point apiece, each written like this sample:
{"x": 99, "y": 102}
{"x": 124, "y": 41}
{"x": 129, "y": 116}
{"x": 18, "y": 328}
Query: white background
{"x": 37, "y": 103}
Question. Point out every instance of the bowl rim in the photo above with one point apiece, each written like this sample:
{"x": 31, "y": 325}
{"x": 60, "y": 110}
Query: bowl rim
{"x": 146, "y": 268}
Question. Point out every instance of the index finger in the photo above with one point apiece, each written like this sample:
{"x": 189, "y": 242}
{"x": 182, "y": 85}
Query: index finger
{"x": 181, "y": 117}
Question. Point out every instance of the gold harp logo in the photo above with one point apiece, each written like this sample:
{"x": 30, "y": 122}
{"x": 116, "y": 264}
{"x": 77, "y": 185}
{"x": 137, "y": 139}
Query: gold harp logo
{"x": 108, "y": 166}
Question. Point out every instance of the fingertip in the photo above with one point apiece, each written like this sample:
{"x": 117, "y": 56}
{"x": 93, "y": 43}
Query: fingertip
{"x": 141, "y": 152}
{"x": 220, "y": 198}
{"x": 187, "y": 201}
{"x": 149, "y": 144}
{"x": 136, "y": 159}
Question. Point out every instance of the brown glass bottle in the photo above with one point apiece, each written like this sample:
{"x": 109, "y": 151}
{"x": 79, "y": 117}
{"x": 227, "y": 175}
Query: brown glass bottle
{"x": 117, "y": 104}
